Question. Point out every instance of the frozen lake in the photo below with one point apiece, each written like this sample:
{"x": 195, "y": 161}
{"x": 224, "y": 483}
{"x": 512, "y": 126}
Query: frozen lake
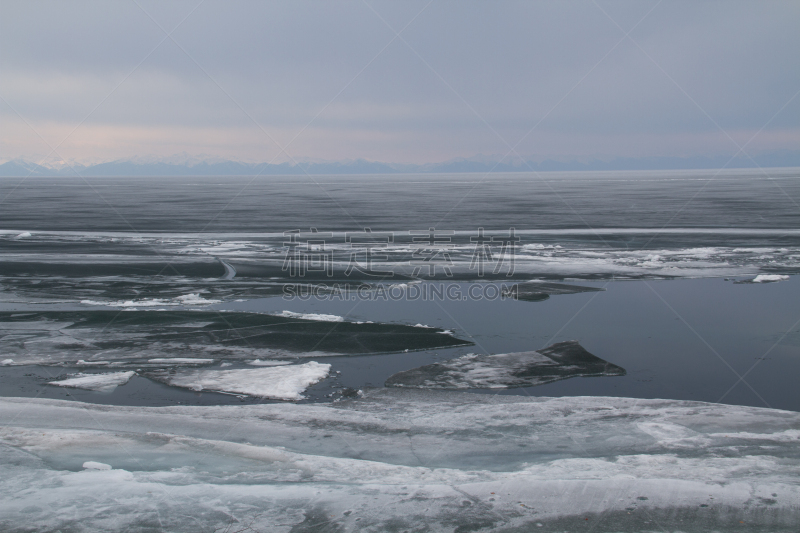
{"x": 609, "y": 350}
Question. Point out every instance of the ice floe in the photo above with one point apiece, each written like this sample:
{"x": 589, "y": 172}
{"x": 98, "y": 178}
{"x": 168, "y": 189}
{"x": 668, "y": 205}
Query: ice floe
{"x": 762, "y": 278}
{"x": 399, "y": 460}
{"x": 96, "y": 382}
{"x": 276, "y": 382}
{"x": 521, "y": 369}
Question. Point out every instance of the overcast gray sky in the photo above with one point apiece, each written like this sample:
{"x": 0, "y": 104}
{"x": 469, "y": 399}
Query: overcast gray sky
{"x": 332, "y": 80}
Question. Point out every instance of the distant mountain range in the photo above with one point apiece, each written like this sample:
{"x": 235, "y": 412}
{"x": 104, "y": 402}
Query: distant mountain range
{"x": 20, "y": 168}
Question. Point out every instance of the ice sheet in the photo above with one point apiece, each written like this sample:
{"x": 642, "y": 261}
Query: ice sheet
{"x": 502, "y": 371}
{"x": 400, "y": 460}
{"x": 553, "y": 253}
{"x": 138, "y": 337}
{"x": 285, "y": 382}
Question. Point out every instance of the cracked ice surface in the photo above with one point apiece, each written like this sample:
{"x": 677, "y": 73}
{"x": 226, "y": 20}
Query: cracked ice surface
{"x": 400, "y": 459}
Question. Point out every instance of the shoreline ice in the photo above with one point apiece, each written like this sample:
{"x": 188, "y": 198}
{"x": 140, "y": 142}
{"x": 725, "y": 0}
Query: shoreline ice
{"x": 399, "y": 458}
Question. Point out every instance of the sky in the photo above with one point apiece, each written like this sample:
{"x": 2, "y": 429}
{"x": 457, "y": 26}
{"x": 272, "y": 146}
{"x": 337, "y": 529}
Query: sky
{"x": 403, "y": 82}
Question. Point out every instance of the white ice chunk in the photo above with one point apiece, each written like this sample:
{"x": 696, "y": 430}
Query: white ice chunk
{"x": 277, "y": 382}
{"x": 96, "y": 382}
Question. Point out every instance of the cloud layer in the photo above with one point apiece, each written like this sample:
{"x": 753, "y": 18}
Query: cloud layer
{"x": 94, "y": 81}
